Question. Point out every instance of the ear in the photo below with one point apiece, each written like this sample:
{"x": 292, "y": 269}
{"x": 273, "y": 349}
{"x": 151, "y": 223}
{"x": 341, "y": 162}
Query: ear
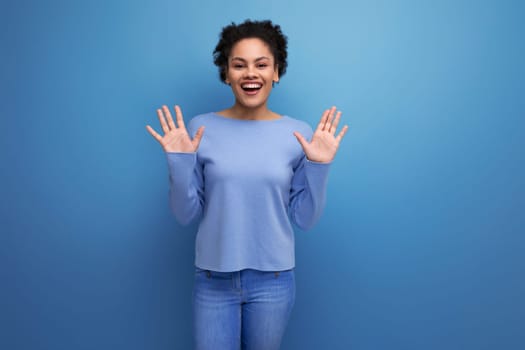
{"x": 226, "y": 80}
{"x": 276, "y": 74}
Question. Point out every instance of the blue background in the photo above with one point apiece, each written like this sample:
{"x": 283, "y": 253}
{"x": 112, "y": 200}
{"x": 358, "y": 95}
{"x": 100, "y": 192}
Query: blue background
{"x": 421, "y": 245}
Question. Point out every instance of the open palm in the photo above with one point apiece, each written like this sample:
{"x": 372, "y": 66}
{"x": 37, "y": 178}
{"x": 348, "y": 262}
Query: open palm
{"x": 176, "y": 138}
{"x": 324, "y": 144}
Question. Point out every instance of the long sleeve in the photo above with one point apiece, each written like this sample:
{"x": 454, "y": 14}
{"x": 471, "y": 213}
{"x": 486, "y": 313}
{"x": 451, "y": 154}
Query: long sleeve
{"x": 186, "y": 192}
{"x": 308, "y": 193}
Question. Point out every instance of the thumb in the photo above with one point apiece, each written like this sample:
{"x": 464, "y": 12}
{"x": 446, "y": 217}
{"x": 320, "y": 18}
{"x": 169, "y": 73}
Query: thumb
{"x": 198, "y": 137}
{"x": 301, "y": 140}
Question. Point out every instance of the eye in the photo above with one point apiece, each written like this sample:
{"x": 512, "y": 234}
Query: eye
{"x": 262, "y": 65}
{"x": 238, "y": 65}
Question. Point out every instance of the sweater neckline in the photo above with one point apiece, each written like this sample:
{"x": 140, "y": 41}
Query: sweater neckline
{"x": 282, "y": 117}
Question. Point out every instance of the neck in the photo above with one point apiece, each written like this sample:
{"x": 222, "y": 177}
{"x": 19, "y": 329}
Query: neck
{"x": 238, "y": 111}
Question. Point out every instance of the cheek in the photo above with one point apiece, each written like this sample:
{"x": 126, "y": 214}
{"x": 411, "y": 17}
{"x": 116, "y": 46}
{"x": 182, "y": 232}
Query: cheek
{"x": 232, "y": 77}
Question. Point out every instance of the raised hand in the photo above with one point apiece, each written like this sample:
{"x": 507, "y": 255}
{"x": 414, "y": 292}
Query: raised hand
{"x": 324, "y": 144}
{"x": 176, "y": 138}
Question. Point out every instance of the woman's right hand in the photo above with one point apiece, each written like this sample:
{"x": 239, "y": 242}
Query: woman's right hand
{"x": 176, "y": 138}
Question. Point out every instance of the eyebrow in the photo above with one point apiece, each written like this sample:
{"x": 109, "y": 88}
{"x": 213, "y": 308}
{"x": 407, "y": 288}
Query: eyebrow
{"x": 256, "y": 60}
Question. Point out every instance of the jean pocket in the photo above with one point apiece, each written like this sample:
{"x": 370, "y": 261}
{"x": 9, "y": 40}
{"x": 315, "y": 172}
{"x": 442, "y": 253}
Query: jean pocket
{"x": 202, "y": 272}
{"x": 286, "y": 274}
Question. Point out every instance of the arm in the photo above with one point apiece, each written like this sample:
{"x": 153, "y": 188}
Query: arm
{"x": 186, "y": 182}
{"x": 308, "y": 192}
{"x": 186, "y": 194}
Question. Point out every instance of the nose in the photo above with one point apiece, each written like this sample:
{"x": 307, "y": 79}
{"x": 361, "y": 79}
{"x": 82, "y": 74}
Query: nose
{"x": 250, "y": 72}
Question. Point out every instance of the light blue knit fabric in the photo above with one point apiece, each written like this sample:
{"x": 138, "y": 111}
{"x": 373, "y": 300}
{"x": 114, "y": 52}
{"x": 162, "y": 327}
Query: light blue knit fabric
{"x": 246, "y": 183}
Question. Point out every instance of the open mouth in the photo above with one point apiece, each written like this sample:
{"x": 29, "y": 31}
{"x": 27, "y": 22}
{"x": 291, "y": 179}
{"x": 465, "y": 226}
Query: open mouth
{"x": 251, "y": 88}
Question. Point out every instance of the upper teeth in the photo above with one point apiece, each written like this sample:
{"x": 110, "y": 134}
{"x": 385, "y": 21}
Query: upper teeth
{"x": 251, "y": 86}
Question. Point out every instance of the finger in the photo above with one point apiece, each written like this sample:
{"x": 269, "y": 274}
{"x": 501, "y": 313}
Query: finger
{"x": 162, "y": 121}
{"x": 322, "y": 122}
{"x": 341, "y": 134}
{"x": 333, "y": 127}
{"x": 329, "y": 119}
{"x": 154, "y": 133}
{"x": 301, "y": 140}
{"x": 180, "y": 119}
{"x": 198, "y": 137}
{"x": 167, "y": 113}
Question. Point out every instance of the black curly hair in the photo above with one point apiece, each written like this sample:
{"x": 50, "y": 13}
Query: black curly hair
{"x": 265, "y": 30}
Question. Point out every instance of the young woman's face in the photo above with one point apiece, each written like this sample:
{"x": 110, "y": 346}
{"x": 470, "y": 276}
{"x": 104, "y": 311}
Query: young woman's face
{"x": 251, "y": 72}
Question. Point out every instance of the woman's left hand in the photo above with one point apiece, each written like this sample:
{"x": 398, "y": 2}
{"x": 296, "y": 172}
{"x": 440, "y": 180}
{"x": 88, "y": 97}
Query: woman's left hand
{"x": 324, "y": 144}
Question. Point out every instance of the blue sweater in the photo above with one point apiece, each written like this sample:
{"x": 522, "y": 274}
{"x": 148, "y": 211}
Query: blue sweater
{"x": 245, "y": 182}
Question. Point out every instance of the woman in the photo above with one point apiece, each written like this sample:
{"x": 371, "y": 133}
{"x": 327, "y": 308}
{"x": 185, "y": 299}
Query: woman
{"x": 247, "y": 178}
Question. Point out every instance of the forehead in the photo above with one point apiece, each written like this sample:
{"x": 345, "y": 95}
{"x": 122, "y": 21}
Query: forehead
{"x": 251, "y": 48}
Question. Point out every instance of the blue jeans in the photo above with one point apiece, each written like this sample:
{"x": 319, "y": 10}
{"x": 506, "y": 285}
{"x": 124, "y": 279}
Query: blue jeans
{"x": 247, "y": 309}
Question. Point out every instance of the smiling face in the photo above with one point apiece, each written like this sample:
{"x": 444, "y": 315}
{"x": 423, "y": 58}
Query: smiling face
{"x": 251, "y": 72}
